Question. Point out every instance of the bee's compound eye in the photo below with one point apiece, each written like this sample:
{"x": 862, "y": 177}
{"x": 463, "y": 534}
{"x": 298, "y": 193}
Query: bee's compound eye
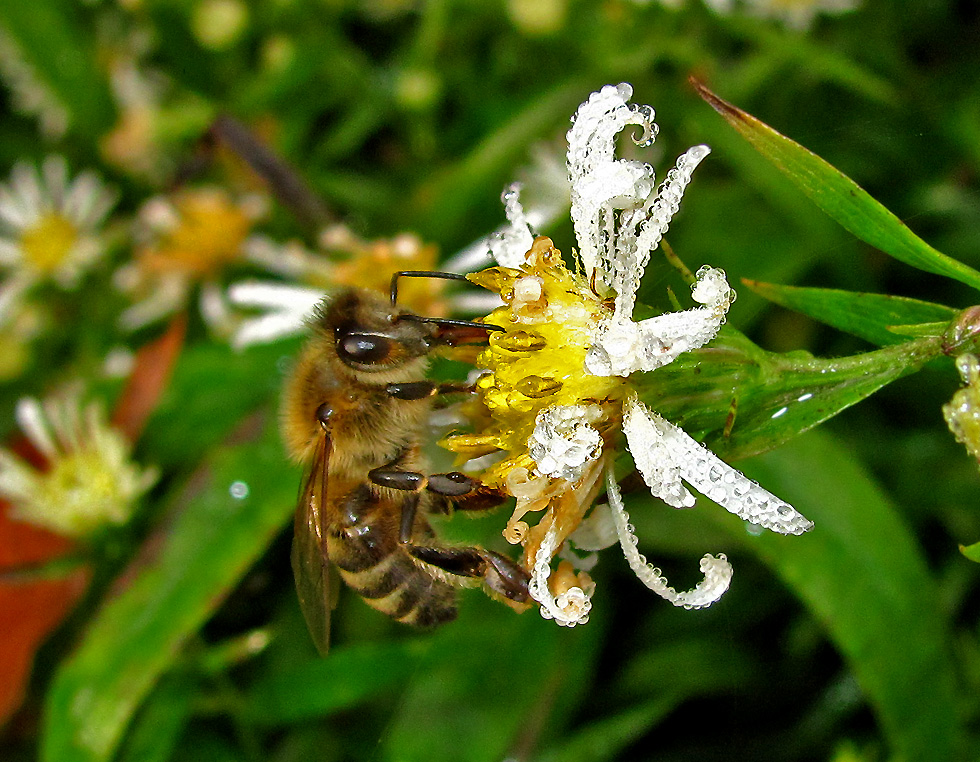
{"x": 364, "y": 348}
{"x": 323, "y": 413}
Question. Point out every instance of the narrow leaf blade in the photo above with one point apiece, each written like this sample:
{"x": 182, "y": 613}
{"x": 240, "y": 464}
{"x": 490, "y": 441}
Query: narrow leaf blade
{"x": 868, "y": 316}
{"x": 862, "y": 573}
{"x": 839, "y": 196}
{"x": 138, "y": 634}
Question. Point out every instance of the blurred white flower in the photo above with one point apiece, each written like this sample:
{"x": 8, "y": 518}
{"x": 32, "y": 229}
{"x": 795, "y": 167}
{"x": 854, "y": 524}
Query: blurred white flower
{"x": 187, "y": 240}
{"x": 88, "y": 480}
{"x": 50, "y": 225}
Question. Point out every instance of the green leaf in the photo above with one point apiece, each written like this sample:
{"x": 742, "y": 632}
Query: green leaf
{"x": 138, "y": 634}
{"x": 492, "y": 683}
{"x": 349, "y": 676}
{"x": 868, "y": 316}
{"x": 50, "y": 41}
{"x": 971, "y": 551}
{"x": 839, "y": 196}
{"x": 862, "y": 573}
{"x": 742, "y": 400}
{"x": 159, "y": 725}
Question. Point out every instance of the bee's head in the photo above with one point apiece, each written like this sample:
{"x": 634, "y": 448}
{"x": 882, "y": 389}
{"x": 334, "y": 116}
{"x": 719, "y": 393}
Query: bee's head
{"x": 370, "y": 335}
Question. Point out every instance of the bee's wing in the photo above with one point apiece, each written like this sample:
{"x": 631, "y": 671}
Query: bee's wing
{"x": 316, "y": 583}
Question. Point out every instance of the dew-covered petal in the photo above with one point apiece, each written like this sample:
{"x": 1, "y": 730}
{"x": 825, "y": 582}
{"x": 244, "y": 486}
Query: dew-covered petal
{"x": 653, "y": 456}
{"x": 708, "y": 473}
{"x": 509, "y": 244}
{"x": 601, "y": 183}
{"x": 564, "y": 440}
{"x": 568, "y": 609}
{"x": 621, "y": 347}
{"x": 717, "y": 571}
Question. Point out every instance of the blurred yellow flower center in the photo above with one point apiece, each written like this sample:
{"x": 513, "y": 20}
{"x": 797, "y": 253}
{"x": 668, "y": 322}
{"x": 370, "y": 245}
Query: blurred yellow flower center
{"x": 47, "y": 243}
{"x": 81, "y": 493}
{"x": 209, "y": 236}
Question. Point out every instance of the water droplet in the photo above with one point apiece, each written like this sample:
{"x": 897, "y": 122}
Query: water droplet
{"x": 238, "y": 490}
{"x": 519, "y": 341}
{"x": 536, "y": 387}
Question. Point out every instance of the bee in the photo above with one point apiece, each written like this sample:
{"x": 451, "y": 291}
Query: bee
{"x": 354, "y": 409}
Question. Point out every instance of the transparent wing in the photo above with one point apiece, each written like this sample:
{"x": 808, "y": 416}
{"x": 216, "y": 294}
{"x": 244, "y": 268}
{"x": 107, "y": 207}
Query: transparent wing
{"x": 316, "y": 583}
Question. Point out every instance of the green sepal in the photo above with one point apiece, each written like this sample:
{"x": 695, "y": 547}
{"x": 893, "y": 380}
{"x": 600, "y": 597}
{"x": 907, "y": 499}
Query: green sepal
{"x": 742, "y": 400}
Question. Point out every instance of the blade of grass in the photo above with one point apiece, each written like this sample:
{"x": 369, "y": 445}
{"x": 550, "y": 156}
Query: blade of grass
{"x": 862, "y": 573}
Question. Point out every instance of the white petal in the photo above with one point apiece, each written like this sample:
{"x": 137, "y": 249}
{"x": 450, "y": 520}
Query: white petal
{"x": 279, "y": 296}
{"x": 653, "y": 456}
{"x": 32, "y": 421}
{"x": 601, "y": 182}
{"x": 711, "y": 476}
{"x": 570, "y": 608}
{"x": 717, "y": 571}
{"x": 597, "y": 531}
{"x": 621, "y": 347}
{"x": 564, "y": 441}
{"x": 509, "y": 245}
{"x": 266, "y": 329}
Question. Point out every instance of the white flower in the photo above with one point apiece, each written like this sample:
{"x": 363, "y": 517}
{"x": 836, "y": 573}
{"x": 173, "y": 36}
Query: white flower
{"x": 185, "y": 240}
{"x": 49, "y": 225}
{"x": 89, "y": 480}
{"x": 578, "y": 329}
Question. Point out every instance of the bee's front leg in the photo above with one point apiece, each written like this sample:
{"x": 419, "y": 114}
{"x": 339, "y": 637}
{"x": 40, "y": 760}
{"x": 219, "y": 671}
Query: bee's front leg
{"x": 420, "y": 390}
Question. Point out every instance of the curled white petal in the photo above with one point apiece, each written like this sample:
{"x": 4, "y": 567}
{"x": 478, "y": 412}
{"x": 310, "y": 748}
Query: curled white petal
{"x": 564, "y": 440}
{"x": 601, "y": 182}
{"x": 717, "y": 571}
{"x": 509, "y": 245}
{"x": 686, "y": 458}
{"x": 568, "y": 609}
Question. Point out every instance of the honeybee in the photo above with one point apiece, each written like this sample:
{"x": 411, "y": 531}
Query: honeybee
{"x": 354, "y": 409}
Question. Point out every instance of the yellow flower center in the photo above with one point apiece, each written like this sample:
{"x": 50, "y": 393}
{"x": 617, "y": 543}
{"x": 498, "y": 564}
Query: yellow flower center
{"x": 81, "y": 494}
{"x": 538, "y": 360}
{"x": 47, "y": 243}
{"x": 209, "y": 236}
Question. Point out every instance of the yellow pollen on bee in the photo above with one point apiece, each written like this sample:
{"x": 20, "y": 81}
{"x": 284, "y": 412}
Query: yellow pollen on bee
{"x": 47, "y": 243}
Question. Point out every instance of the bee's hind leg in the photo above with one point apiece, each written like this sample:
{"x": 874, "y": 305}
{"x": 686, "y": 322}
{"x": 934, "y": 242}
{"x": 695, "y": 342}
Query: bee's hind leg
{"x": 501, "y": 575}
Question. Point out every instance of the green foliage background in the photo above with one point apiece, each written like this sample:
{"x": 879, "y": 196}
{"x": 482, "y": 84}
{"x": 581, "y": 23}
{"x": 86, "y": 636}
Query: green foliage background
{"x": 855, "y": 642}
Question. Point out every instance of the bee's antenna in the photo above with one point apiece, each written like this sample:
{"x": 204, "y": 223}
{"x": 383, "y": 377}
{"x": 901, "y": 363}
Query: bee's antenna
{"x": 419, "y": 274}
